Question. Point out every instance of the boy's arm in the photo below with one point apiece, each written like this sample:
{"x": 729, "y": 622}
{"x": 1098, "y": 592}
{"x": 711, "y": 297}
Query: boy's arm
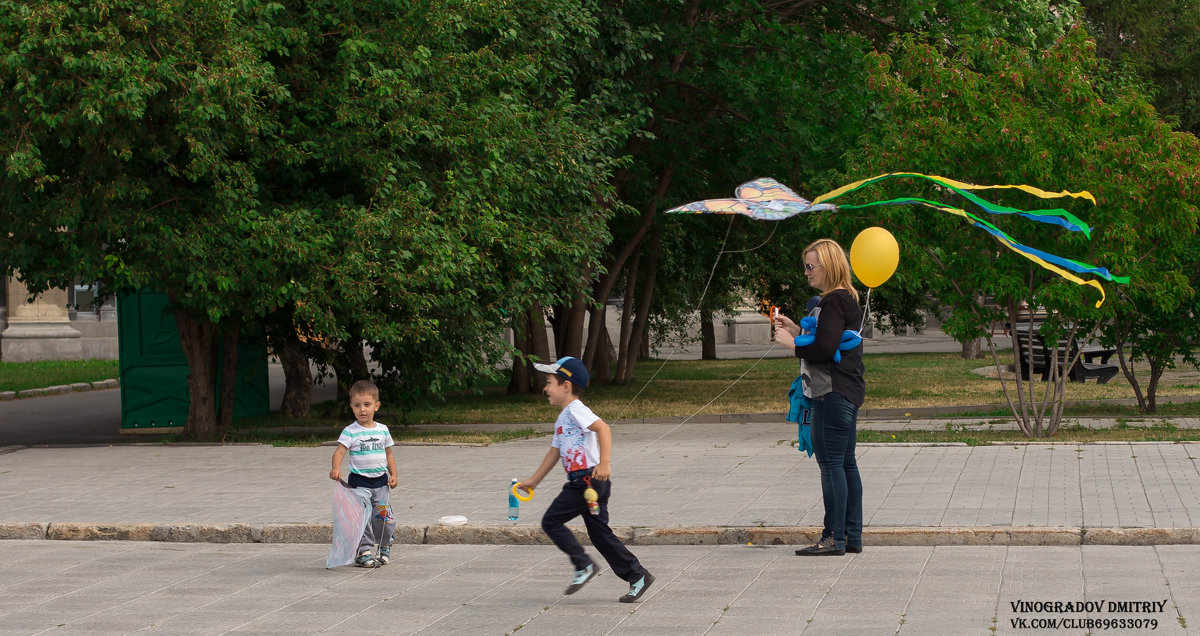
{"x": 548, "y": 462}
{"x": 338, "y": 455}
{"x": 391, "y": 460}
{"x": 604, "y": 440}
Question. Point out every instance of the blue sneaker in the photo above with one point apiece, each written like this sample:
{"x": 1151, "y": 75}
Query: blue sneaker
{"x": 638, "y": 588}
{"x": 385, "y": 555}
{"x": 582, "y": 577}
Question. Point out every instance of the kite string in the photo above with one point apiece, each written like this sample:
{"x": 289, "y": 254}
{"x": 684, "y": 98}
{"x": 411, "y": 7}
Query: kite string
{"x": 703, "y": 293}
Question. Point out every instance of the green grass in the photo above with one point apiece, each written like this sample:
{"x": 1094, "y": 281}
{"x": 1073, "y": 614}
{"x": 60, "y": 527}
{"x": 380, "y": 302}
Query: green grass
{"x": 325, "y": 423}
{"x": 1161, "y": 432}
{"x": 682, "y": 388}
{"x": 894, "y": 381}
{"x": 18, "y": 376}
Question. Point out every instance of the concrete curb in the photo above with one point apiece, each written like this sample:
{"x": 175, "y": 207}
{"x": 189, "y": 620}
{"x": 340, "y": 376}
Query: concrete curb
{"x": 635, "y": 536}
{"x": 62, "y": 389}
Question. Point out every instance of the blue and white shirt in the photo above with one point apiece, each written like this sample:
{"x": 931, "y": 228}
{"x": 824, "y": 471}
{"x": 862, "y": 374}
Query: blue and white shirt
{"x": 368, "y": 454}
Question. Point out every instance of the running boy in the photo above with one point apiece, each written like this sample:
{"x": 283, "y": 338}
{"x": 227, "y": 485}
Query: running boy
{"x": 583, "y": 442}
{"x": 371, "y": 466}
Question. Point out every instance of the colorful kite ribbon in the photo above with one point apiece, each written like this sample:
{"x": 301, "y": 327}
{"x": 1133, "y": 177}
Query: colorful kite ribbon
{"x": 767, "y": 199}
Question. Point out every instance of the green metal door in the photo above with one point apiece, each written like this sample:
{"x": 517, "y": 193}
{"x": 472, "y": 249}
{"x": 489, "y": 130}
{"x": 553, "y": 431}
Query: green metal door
{"x": 154, "y": 370}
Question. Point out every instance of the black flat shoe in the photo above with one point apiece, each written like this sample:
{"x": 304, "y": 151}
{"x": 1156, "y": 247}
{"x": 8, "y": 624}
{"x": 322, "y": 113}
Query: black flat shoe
{"x": 854, "y": 549}
{"x": 820, "y": 550}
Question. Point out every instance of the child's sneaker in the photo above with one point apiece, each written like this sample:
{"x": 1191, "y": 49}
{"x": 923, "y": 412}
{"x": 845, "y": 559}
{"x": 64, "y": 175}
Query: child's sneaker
{"x": 637, "y": 588}
{"x": 365, "y": 560}
{"x": 385, "y": 555}
{"x": 582, "y": 577}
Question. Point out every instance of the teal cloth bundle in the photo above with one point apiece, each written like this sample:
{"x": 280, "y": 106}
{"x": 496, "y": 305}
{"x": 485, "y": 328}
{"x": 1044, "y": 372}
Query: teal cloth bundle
{"x": 798, "y": 412}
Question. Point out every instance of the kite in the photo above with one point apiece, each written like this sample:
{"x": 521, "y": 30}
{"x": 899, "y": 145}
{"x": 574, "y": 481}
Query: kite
{"x": 768, "y": 200}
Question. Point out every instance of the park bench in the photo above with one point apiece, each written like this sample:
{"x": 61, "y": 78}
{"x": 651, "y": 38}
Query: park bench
{"x": 1091, "y": 362}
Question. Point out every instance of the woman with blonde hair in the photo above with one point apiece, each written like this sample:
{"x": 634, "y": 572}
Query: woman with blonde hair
{"x": 836, "y": 391}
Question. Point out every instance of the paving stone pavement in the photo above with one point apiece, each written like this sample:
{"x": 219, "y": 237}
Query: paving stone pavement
{"x": 960, "y": 540}
{"x": 687, "y": 483}
{"x": 117, "y": 587}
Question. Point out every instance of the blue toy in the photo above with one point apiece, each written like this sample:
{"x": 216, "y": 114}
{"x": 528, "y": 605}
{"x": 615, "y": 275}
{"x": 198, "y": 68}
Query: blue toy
{"x": 799, "y": 407}
{"x": 850, "y": 339}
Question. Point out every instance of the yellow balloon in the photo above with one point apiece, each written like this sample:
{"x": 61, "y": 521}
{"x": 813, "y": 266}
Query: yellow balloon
{"x": 874, "y": 256}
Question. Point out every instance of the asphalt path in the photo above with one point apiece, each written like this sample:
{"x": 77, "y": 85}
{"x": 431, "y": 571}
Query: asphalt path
{"x": 94, "y": 417}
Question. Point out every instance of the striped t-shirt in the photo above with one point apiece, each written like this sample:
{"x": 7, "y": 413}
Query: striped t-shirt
{"x": 368, "y": 456}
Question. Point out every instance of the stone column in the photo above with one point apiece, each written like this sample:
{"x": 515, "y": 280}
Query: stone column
{"x": 108, "y": 311}
{"x": 38, "y": 330}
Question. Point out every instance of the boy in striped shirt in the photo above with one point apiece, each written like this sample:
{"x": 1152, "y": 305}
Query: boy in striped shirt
{"x": 372, "y": 467}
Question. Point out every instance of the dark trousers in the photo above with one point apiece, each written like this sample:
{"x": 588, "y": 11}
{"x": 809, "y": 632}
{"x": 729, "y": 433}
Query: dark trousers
{"x": 570, "y": 504}
{"x": 833, "y": 435}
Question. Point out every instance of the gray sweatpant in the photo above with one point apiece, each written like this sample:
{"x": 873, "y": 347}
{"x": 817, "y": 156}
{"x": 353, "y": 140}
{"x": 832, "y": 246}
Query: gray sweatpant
{"x": 382, "y": 523}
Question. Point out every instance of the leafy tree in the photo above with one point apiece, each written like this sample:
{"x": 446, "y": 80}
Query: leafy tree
{"x": 737, "y": 90}
{"x": 992, "y": 112}
{"x": 381, "y": 173}
{"x": 1156, "y": 42}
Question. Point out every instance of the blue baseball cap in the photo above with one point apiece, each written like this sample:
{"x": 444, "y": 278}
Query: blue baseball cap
{"x": 567, "y": 368}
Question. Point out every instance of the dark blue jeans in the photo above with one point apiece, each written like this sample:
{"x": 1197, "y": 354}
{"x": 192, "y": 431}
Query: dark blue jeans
{"x": 570, "y": 504}
{"x": 834, "y": 432}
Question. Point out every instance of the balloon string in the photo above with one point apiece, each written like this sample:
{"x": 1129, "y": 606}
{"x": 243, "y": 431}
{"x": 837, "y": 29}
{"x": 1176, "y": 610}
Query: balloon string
{"x": 866, "y": 314}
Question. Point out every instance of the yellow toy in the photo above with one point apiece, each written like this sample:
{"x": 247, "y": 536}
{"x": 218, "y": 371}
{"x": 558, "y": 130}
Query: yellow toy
{"x": 517, "y": 493}
{"x": 592, "y": 497}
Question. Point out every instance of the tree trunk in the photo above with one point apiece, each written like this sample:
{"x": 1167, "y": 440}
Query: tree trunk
{"x": 638, "y": 336}
{"x": 627, "y": 250}
{"x": 197, "y": 336}
{"x": 602, "y": 365}
{"x": 972, "y": 349}
{"x": 297, "y": 381}
{"x": 350, "y": 366}
{"x": 539, "y": 345}
{"x": 518, "y": 382}
{"x": 357, "y": 359}
{"x": 708, "y": 336}
{"x": 572, "y": 342}
{"x": 229, "y": 365}
{"x": 624, "y": 352}
{"x": 558, "y": 327}
{"x": 1127, "y": 367}
{"x": 1157, "y": 366}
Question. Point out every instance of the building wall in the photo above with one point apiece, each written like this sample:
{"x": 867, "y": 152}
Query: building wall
{"x": 50, "y": 328}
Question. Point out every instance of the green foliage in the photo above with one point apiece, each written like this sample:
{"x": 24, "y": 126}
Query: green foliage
{"x": 398, "y": 172}
{"x": 749, "y": 89}
{"x": 1157, "y": 44}
{"x": 994, "y": 113}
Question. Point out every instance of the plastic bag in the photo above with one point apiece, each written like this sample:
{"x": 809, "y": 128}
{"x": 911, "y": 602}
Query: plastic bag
{"x": 351, "y": 511}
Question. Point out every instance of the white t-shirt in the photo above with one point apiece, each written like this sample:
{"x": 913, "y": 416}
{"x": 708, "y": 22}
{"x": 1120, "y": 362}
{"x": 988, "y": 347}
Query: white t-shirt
{"x": 368, "y": 456}
{"x": 574, "y": 437}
